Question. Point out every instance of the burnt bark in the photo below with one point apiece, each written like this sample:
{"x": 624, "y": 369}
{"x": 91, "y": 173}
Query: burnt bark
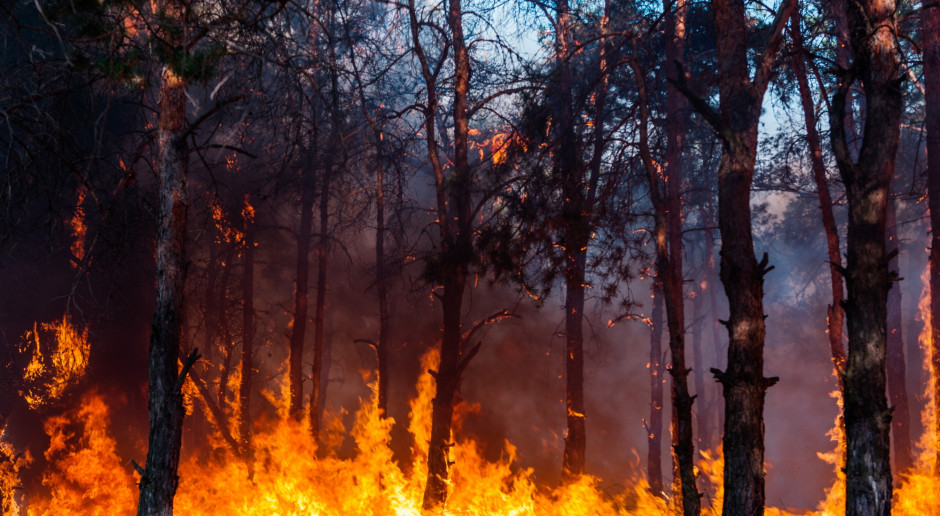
{"x": 931, "y": 49}
{"x": 159, "y": 480}
{"x": 301, "y": 297}
{"x": 876, "y": 64}
{"x": 896, "y": 363}
{"x": 736, "y": 121}
{"x": 654, "y": 438}
{"x": 834, "y": 313}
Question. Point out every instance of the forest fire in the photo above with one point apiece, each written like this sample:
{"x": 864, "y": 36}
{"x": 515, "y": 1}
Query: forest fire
{"x": 347, "y": 257}
{"x": 287, "y": 474}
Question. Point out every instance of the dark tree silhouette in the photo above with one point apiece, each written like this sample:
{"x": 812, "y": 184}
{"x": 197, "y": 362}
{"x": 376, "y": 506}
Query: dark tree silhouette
{"x": 874, "y": 44}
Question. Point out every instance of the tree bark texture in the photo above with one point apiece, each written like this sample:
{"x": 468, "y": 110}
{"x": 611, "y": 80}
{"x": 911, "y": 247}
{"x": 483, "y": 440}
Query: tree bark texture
{"x": 159, "y": 478}
{"x": 834, "y": 314}
{"x": 654, "y": 430}
{"x": 743, "y": 382}
{"x": 931, "y": 46}
{"x": 896, "y": 363}
{"x": 874, "y": 44}
{"x": 301, "y": 296}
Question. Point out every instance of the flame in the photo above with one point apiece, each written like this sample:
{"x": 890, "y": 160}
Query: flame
{"x": 917, "y": 489}
{"x": 834, "y": 501}
{"x": 227, "y": 233}
{"x": 286, "y": 473}
{"x": 54, "y": 363}
{"x": 78, "y": 227}
{"x": 10, "y": 465}
{"x": 87, "y": 476}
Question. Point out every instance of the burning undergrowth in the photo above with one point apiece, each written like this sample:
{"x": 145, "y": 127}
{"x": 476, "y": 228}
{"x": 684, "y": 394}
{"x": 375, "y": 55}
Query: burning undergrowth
{"x": 285, "y": 472}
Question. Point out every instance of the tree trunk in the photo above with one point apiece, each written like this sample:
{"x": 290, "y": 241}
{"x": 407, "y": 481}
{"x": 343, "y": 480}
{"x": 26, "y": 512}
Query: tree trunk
{"x": 867, "y": 183}
{"x": 654, "y": 438}
{"x": 835, "y": 314}
{"x": 248, "y": 329}
{"x": 743, "y": 382}
{"x": 316, "y": 392}
{"x": 381, "y": 273}
{"x": 702, "y": 418}
{"x": 711, "y": 275}
{"x": 574, "y": 239}
{"x": 896, "y": 364}
{"x": 576, "y": 438}
{"x": 667, "y": 208}
{"x": 381, "y": 283}
{"x": 670, "y": 265}
{"x": 158, "y": 481}
{"x": 454, "y": 215}
{"x": 931, "y": 46}
{"x": 301, "y": 298}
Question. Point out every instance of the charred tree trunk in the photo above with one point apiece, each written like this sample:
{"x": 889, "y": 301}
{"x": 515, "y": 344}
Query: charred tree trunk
{"x": 654, "y": 430}
{"x": 301, "y": 298}
{"x": 454, "y": 219}
{"x": 931, "y": 46}
{"x": 248, "y": 329}
{"x": 835, "y": 314}
{"x": 574, "y": 239}
{"x": 874, "y": 44}
{"x": 576, "y": 437}
{"x": 158, "y": 480}
{"x": 736, "y": 121}
{"x": 667, "y": 208}
{"x": 323, "y": 243}
{"x": 896, "y": 364}
{"x": 677, "y": 109}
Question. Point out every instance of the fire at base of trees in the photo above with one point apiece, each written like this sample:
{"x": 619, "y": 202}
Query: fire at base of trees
{"x": 357, "y": 257}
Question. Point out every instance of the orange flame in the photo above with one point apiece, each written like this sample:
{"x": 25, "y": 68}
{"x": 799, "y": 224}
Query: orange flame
{"x": 55, "y": 365}
{"x": 78, "y": 227}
